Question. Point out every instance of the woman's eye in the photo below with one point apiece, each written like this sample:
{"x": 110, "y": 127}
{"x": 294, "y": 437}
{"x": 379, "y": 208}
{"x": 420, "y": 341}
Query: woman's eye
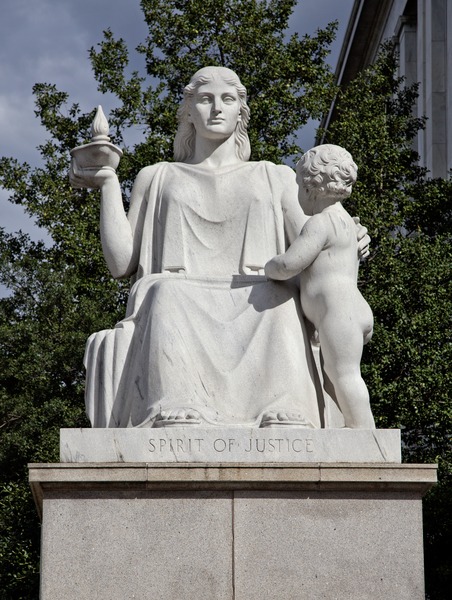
{"x": 229, "y": 99}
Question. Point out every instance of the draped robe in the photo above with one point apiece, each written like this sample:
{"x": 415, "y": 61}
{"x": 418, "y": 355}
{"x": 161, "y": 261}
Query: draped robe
{"x": 204, "y": 329}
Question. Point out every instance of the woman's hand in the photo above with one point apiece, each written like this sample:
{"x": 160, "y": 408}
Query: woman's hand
{"x": 91, "y": 177}
{"x": 363, "y": 239}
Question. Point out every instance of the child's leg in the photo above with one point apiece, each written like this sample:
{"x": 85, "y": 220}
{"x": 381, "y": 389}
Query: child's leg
{"x": 341, "y": 346}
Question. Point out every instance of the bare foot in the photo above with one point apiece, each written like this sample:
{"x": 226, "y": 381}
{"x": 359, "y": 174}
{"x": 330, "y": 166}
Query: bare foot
{"x": 178, "y": 416}
{"x": 277, "y": 418}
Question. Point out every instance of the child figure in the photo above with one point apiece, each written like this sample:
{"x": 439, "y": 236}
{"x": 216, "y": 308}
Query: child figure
{"x": 326, "y": 256}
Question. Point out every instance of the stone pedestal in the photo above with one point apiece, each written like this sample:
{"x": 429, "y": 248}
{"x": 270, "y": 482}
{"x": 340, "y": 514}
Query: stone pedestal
{"x": 235, "y": 531}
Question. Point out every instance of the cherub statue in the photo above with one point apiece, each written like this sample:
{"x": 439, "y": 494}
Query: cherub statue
{"x": 326, "y": 256}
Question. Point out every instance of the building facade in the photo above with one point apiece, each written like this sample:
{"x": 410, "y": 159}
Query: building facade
{"x": 422, "y": 33}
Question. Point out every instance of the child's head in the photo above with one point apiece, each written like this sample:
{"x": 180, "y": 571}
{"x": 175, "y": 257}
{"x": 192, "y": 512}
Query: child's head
{"x": 328, "y": 170}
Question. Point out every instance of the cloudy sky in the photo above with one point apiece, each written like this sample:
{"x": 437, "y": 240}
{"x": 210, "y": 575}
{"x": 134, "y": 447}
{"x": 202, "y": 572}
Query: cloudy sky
{"x": 48, "y": 41}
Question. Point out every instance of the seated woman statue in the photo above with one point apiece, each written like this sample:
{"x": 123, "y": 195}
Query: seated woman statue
{"x": 207, "y": 339}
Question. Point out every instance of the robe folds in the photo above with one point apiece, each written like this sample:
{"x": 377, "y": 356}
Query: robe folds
{"x": 204, "y": 329}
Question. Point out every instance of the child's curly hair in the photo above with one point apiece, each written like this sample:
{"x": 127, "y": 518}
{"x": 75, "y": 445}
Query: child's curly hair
{"x": 328, "y": 169}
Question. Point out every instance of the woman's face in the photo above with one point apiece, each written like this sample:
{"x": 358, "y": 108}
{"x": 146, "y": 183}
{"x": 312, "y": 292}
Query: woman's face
{"x": 215, "y": 110}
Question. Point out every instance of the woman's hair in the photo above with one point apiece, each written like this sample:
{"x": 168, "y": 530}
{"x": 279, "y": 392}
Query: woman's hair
{"x": 328, "y": 169}
{"x": 184, "y": 142}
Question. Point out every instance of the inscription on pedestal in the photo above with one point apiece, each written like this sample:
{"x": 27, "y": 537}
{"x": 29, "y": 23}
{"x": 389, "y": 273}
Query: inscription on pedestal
{"x": 229, "y": 445}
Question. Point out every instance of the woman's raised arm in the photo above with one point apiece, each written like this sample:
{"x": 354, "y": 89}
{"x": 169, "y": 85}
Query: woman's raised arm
{"x": 115, "y": 230}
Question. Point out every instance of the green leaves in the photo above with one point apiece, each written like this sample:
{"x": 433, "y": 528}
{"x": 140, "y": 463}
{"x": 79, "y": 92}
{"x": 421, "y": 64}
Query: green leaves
{"x": 375, "y": 122}
{"x": 408, "y": 284}
{"x": 406, "y": 280}
{"x": 18, "y": 542}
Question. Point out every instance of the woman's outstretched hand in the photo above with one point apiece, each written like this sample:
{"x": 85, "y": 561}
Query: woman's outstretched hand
{"x": 90, "y": 177}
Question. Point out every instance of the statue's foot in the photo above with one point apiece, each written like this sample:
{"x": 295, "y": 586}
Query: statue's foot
{"x": 276, "y": 418}
{"x": 178, "y": 416}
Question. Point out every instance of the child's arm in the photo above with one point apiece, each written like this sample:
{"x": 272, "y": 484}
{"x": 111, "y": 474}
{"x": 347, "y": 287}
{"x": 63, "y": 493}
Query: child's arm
{"x": 302, "y": 252}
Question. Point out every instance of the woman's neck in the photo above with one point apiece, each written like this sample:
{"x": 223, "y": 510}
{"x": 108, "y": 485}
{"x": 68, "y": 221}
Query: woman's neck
{"x": 215, "y": 153}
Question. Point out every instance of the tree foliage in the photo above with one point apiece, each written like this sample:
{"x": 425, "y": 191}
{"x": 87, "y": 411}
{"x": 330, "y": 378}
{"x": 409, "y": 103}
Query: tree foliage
{"x": 62, "y": 293}
{"x": 44, "y": 323}
{"x": 408, "y": 284}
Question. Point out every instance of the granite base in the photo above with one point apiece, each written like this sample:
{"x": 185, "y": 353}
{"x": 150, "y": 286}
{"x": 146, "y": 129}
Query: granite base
{"x": 236, "y": 532}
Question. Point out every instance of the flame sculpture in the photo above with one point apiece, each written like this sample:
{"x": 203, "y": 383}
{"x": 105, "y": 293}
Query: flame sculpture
{"x": 99, "y": 153}
{"x": 99, "y": 127}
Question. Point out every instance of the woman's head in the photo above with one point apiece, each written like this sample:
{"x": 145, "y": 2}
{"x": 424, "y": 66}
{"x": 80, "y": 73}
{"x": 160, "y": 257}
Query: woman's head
{"x": 327, "y": 169}
{"x": 184, "y": 142}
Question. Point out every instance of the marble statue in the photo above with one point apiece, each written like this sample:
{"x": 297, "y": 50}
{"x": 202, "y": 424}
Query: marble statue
{"x": 325, "y": 254}
{"x": 207, "y": 339}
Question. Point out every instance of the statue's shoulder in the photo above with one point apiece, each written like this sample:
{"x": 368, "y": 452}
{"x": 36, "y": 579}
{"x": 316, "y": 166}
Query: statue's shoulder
{"x": 145, "y": 178}
{"x": 281, "y": 174}
{"x": 282, "y": 171}
{"x": 149, "y": 172}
